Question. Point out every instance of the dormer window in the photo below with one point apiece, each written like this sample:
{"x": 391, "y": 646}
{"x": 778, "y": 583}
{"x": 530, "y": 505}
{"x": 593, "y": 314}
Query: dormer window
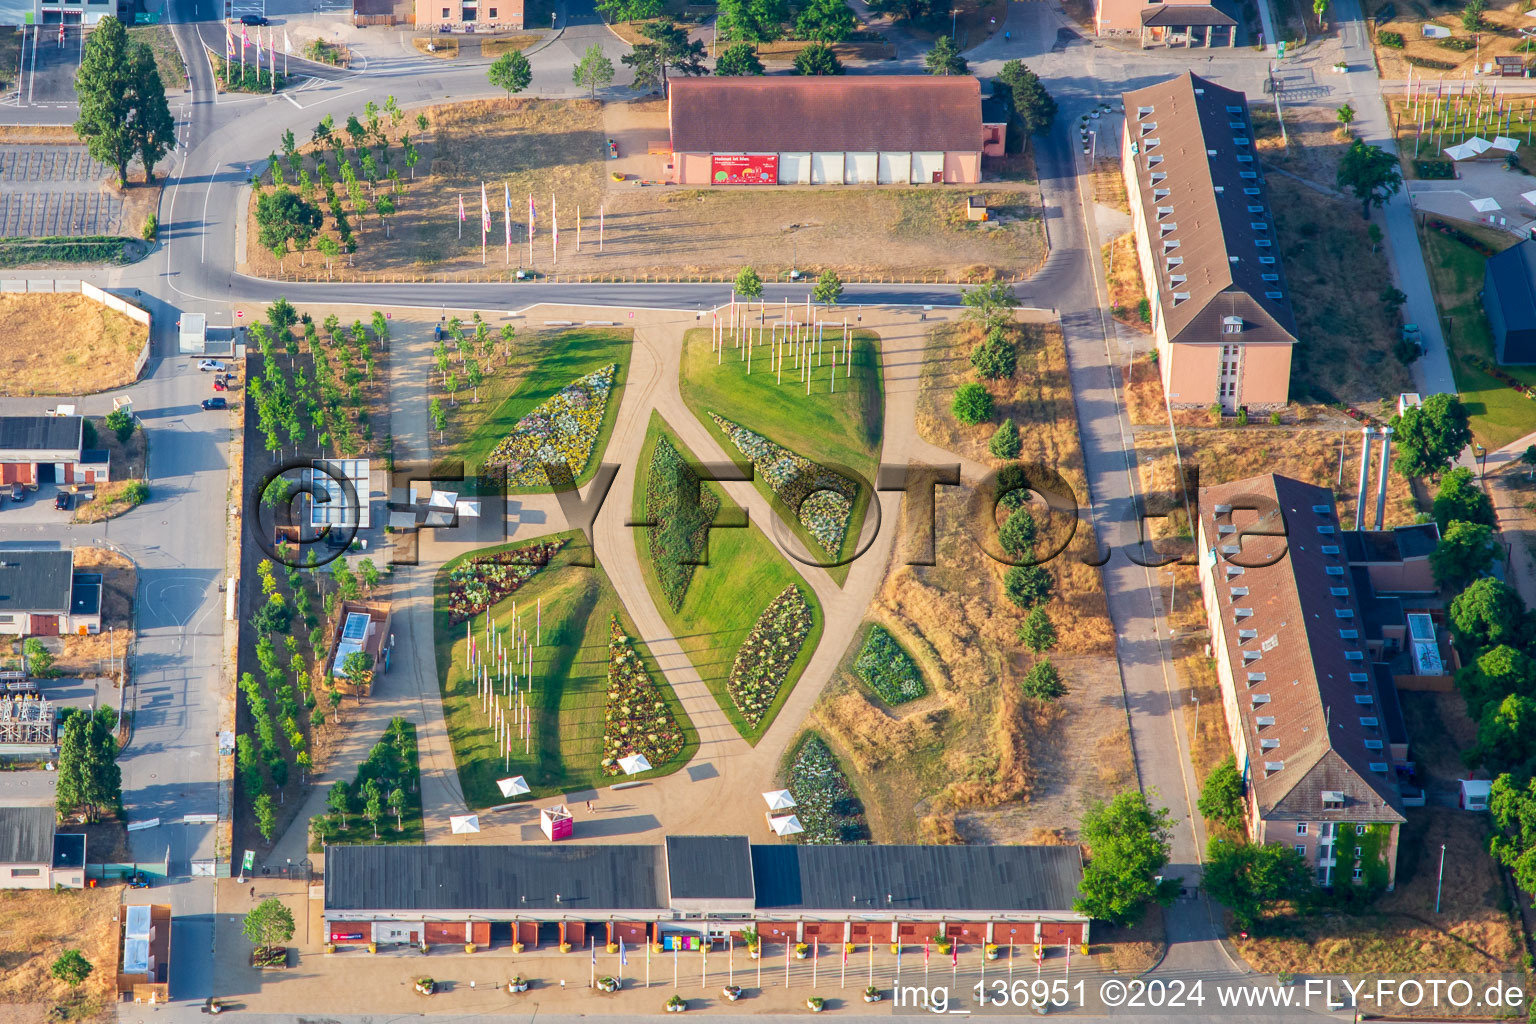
{"x": 1258, "y": 225}
{"x": 1153, "y": 144}
{"x": 1158, "y": 176}
{"x": 1333, "y": 799}
{"x": 1264, "y": 721}
{"x": 1269, "y": 744}
{"x": 1242, "y": 613}
{"x": 1179, "y": 297}
{"x": 1153, "y": 161}
{"x": 1165, "y": 211}
{"x": 1231, "y": 325}
{"x": 1148, "y": 126}
{"x": 1167, "y": 227}
{"x": 1142, "y": 112}
{"x": 1169, "y": 244}
{"x": 1161, "y": 193}
{"x": 1338, "y": 591}
{"x": 1177, "y": 278}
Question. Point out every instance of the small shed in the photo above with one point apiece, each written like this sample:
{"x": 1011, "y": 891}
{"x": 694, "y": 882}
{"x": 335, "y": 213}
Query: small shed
{"x": 193, "y": 337}
{"x": 975, "y": 207}
{"x": 1474, "y": 794}
{"x": 1509, "y": 67}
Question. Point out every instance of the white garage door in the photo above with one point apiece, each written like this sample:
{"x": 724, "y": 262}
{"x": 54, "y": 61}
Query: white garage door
{"x": 895, "y": 168}
{"x": 794, "y": 168}
{"x": 826, "y": 168}
{"x": 927, "y": 167}
{"x": 861, "y": 168}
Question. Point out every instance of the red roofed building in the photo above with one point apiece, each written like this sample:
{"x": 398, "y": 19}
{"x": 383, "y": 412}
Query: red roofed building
{"x": 832, "y": 130}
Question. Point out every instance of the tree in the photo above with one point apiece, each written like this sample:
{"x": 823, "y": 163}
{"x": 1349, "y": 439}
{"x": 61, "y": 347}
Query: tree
{"x": 748, "y": 284}
{"x": 1035, "y": 107}
{"x": 825, "y": 21}
{"x": 438, "y": 417}
{"x": 369, "y": 573}
{"x": 1506, "y": 736}
{"x": 945, "y": 59}
{"x": 668, "y": 48}
{"x": 373, "y": 805}
{"x": 510, "y": 73}
{"x": 817, "y": 59}
{"x": 1431, "y": 435}
{"x": 1221, "y": 798}
{"x": 989, "y": 306}
{"x": 1248, "y": 877}
{"x": 1027, "y": 585}
{"x": 282, "y": 217}
{"x": 1460, "y": 499}
{"x": 154, "y": 129}
{"x": 738, "y": 59}
{"x": 397, "y": 805}
{"x": 1319, "y": 8}
{"x": 1346, "y": 116}
{"x": 972, "y": 403}
{"x": 356, "y": 666}
{"x": 266, "y": 815}
{"x": 338, "y": 799}
{"x": 1128, "y": 843}
{"x": 1038, "y": 633}
{"x": 89, "y": 780}
{"x": 1371, "y": 174}
{"x": 1487, "y": 613}
{"x": 756, "y": 21}
{"x": 995, "y": 358}
{"x": 270, "y": 923}
{"x": 106, "y": 89}
{"x": 1497, "y": 673}
{"x": 1528, "y": 457}
{"x": 1472, "y": 15}
{"x": 120, "y": 422}
{"x": 1043, "y": 682}
{"x": 38, "y": 658}
{"x": 1017, "y": 534}
{"x": 71, "y": 967}
{"x": 1006, "y": 443}
{"x": 385, "y": 208}
{"x": 1465, "y": 552}
{"x": 631, "y": 10}
{"x": 594, "y": 70}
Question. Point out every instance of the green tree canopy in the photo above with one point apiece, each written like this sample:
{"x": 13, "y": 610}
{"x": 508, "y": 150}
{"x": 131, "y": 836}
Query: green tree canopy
{"x": 1027, "y": 585}
{"x": 511, "y": 73}
{"x": 1506, "y": 736}
{"x": 154, "y": 129}
{"x": 945, "y": 59}
{"x": 995, "y": 357}
{"x": 1513, "y": 807}
{"x": 89, "y": 780}
{"x": 1370, "y": 173}
{"x": 269, "y": 924}
{"x": 631, "y": 10}
{"x": 829, "y": 288}
{"x": 1465, "y": 552}
{"x": 748, "y": 284}
{"x": 1006, "y": 443}
{"x": 1494, "y": 675}
{"x": 283, "y": 217}
{"x": 594, "y": 70}
{"x": 990, "y": 306}
{"x": 1038, "y": 633}
{"x": 1487, "y": 613}
{"x": 71, "y": 967}
{"x": 972, "y": 403}
{"x": 1430, "y": 436}
{"x": 1017, "y": 533}
{"x": 1221, "y": 798}
{"x": 1459, "y": 498}
{"x": 817, "y": 59}
{"x": 1128, "y": 846}
{"x": 107, "y": 89}
{"x": 826, "y": 21}
{"x": 1034, "y": 106}
{"x": 1247, "y": 878}
{"x": 668, "y": 49}
{"x": 1043, "y": 682}
{"x": 738, "y": 59}
{"x": 753, "y": 21}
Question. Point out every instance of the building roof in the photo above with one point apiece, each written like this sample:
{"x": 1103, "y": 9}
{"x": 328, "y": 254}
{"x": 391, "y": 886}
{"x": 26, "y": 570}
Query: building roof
{"x": 995, "y": 109}
{"x": 21, "y": 434}
{"x": 1394, "y": 545}
{"x": 917, "y": 878}
{"x": 831, "y": 113}
{"x": 26, "y": 835}
{"x": 1511, "y": 276}
{"x": 567, "y": 877}
{"x": 85, "y": 594}
{"x": 1307, "y": 709}
{"x": 1216, "y": 225}
{"x": 32, "y": 580}
{"x": 709, "y": 868}
{"x": 69, "y": 850}
{"x": 1180, "y": 15}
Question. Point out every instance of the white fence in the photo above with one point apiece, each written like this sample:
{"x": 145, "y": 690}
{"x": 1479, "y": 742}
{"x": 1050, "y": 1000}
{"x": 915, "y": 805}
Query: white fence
{"x": 95, "y": 294}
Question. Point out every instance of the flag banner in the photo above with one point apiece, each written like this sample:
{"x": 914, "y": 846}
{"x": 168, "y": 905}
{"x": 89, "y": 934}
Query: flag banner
{"x": 229, "y": 43}
{"x": 485, "y": 210}
{"x": 507, "y": 210}
{"x": 623, "y": 955}
{"x": 287, "y": 45}
{"x": 461, "y": 207}
{"x": 954, "y": 954}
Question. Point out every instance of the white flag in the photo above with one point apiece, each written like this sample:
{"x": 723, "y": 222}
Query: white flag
{"x": 287, "y": 46}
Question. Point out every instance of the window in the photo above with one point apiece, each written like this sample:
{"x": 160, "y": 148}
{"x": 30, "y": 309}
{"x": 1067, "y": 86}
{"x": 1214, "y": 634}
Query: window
{"x": 1256, "y": 677}
{"x": 1153, "y": 144}
{"x": 1239, "y": 591}
{"x": 1240, "y": 141}
{"x": 7, "y": 618}
{"x": 1153, "y": 161}
{"x": 1325, "y": 529}
{"x": 1380, "y": 767}
{"x": 1266, "y": 259}
{"x": 1264, "y": 720}
{"x": 1219, "y": 189}
{"x": 1258, "y": 225}
{"x": 1373, "y": 745}
{"x": 1232, "y": 325}
{"x": 1301, "y": 828}
{"x": 26, "y": 872}
{"x": 1244, "y": 158}
{"x": 1359, "y": 830}
{"x": 1301, "y": 848}
{"x": 1330, "y": 549}
{"x": 1349, "y": 634}
{"x": 1364, "y": 698}
{"x": 1339, "y": 591}
{"x": 1175, "y": 261}
{"x": 1334, "y": 570}
{"x": 1158, "y": 176}
{"x": 492, "y": 13}
{"x": 1344, "y": 613}
{"x": 1260, "y": 698}
{"x": 1150, "y": 126}
{"x": 1247, "y": 174}
{"x": 1358, "y": 873}
{"x": 1170, "y": 244}
{"x": 1354, "y": 656}
{"x": 1234, "y": 110}
{"x": 1369, "y": 723}
{"x": 1165, "y": 211}
{"x": 1270, "y": 277}
{"x": 1274, "y": 295}
{"x": 445, "y": 13}
{"x": 1359, "y": 677}
{"x": 1256, "y": 208}
{"x": 1247, "y": 634}
{"x": 1177, "y": 278}
{"x": 1262, "y": 243}
{"x": 1268, "y": 744}
{"x": 1250, "y": 191}
{"x": 1160, "y": 193}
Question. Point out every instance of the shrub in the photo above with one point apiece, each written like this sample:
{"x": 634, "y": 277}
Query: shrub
{"x": 1005, "y": 443}
{"x": 151, "y": 227}
{"x": 1434, "y": 169}
{"x": 1038, "y": 632}
{"x": 972, "y": 403}
{"x": 1027, "y": 585}
{"x": 1144, "y": 310}
{"x": 1426, "y": 62}
{"x": 996, "y": 357}
{"x": 1459, "y": 45}
{"x": 826, "y": 804}
{"x": 120, "y": 422}
{"x": 1390, "y": 39}
{"x": 1017, "y": 534}
{"x": 768, "y": 654}
{"x": 1221, "y": 798}
{"x": 887, "y": 668}
{"x": 21, "y": 252}
{"x": 135, "y": 492}
{"x": 680, "y": 510}
{"x": 1043, "y": 682}
{"x": 1242, "y": 416}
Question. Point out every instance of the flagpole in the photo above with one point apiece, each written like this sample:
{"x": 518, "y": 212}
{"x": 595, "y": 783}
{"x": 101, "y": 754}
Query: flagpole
{"x": 578, "y": 227}
{"x": 599, "y": 229}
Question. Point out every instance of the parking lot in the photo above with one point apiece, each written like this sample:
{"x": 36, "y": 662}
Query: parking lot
{"x": 35, "y": 507}
{"x": 49, "y": 62}
{"x": 55, "y": 190}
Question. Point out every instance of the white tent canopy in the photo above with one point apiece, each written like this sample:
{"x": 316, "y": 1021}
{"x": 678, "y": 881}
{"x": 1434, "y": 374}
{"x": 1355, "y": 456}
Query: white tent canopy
{"x": 1461, "y": 151}
{"x": 464, "y": 824}
{"x": 1480, "y": 144}
{"x": 515, "y": 786}
{"x": 1486, "y": 205}
{"x": 786, "y": 826}
{"x": 1529, "y": 197}
{"x": 634, "y": 764}
{"x": 443, "y": 499}
{"x": 779, "y": 800}
{"x": 1505, "y": 144}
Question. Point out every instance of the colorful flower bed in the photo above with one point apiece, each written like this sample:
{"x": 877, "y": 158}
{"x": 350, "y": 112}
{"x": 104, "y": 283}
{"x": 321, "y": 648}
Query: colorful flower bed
{"x": 828, "y": 808}
{"x": 480, "y": 582}
{"x": 1499, "y": 375}
{"x": 638, "y": 719}
{"x": 887, "y": 669}
{"x": 763, "y": 663}
{"x": 562, "y": 429}
{"x": 680, "y": 511}
{"x": 821, "y": 499}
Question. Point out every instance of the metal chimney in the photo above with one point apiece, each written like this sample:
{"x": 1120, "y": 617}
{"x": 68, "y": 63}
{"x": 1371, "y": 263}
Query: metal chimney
{"x": 1381, "y": 483}
{"x": 1365, "y": 477}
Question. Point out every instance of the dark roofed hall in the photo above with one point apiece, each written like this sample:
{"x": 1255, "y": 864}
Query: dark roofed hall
{"x": 85, "y": 594}
{"x": 494, "y": 877}
{"x": 827, "y": 113}
{"x": 26, "y": 835}
{"x": 69, "y": 850}
{"x": 1509, "y": 297}
{"x": 35, "y": 581}
{"x": 21, "y": 434}
{"x": 709, "y": 867}
{"x": 959, "y": 878}
{"x": 1181, "y": 15}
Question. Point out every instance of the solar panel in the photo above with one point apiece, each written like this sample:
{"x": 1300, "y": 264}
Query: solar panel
{"x": 356, "y": 627}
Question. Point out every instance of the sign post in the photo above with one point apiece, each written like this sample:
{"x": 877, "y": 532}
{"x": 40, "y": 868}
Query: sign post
{"x": 247, "y": 865}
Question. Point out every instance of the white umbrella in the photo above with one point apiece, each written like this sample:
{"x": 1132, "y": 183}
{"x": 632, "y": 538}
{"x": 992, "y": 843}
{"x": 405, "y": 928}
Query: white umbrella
{"x": 1486, "y": 205}
{"x": 779, "y": 800}
{"x": 515, "y": 786}
{"x": 1505, "y": 144}
{"x": 443, "y": 499}
{"x": 634, "y": 764}
{"x": 1529, "y": 197}
{"x": 786, "y": 826}
{"x": 1461, "y": 151}
{"x": 1480, "y": 144}
{"x": 464, "y": 824}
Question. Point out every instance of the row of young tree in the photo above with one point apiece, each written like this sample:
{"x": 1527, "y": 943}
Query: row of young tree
{"x": 467, "y": 363}
{"x": 387, "y": 780}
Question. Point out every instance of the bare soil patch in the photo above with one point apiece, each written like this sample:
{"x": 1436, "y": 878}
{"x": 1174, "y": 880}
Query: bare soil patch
{"x": 104, "y": 501}
{"x": 65, "y": 344}
{"x": 1126, "y": 293}
{"x": 36, "y": 926}
{"x": 96, "y": 654}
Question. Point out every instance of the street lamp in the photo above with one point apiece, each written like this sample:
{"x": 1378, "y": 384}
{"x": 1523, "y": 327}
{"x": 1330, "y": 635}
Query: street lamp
{"x": 1482, "y": 462}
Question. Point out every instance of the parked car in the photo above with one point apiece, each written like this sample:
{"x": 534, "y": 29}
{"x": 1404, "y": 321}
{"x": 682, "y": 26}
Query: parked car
{"x": 139, "y": 880}
{"x": 61, "y": 501}
{"x": 252, "y": 19}
{"x": 18, "y": 492}
{"x": 219, "y": 385}
{"x": 215, "y": 403}
{"x": 210, "y": 364}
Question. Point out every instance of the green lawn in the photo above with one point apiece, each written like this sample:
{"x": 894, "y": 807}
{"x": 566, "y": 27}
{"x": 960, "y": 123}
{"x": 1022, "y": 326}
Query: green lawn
{"x": 570, "y": 673}
{"x": 742, "y": 574}
{"x": 841, "y": 428}
{"x": 1499, "y": 413}
{"x": 541, "y": 365}
{"x": 384, "y": 764}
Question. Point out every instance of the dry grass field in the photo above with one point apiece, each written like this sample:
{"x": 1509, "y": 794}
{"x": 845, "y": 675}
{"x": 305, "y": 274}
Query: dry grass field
{"x": 36, "y": 926}
{"x": 1123, "y": 275}
{"x": 62, "y": 344}
{"x": 1499, "y": 37}
{"x": 107, "y": 500}
{"x": 88, "y": 655}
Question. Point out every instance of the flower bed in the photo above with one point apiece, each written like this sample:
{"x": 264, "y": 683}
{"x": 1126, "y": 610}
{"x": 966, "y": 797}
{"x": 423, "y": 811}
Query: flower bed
{"x": 680, "y": 511}
{"x": 887, "y": 669}
{"x": 562, "y": 429}
{"x": 638, "y": 719}
{"x": 828, "y": 808}
{"x": 821, "y": 499}
{"x": 1451, "y": 231}
{"x": 478, "y": 583}
{"x": 763, "y": 662}
{"x": 1499, "y": 375}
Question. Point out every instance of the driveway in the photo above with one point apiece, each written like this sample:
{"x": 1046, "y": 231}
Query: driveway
{"x": 50, "y": 60}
